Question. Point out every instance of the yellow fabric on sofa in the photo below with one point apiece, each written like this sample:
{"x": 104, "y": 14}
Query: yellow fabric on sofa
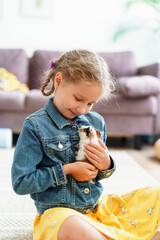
{"x": 8, "y": 82}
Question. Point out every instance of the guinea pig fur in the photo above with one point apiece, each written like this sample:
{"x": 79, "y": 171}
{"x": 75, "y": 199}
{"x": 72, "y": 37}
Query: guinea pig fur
{"x": 87, "y": 134}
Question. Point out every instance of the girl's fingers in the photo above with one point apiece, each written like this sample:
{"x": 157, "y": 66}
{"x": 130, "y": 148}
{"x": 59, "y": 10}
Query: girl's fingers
{"x": 93, "y": 146}
{"x": 93, "y": 161}
{"x": 92, "y": 167}
{"x": 91, "y": 155}
{"x": 91, "y": 149}
{"x": 102, "y": 144}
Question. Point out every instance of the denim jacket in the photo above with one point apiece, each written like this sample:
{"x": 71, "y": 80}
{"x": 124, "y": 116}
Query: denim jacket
{"x": 47, "y": 142}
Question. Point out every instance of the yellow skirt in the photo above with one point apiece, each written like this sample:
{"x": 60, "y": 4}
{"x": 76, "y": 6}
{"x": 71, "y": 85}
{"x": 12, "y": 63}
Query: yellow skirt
{"x": 133, "y": 216}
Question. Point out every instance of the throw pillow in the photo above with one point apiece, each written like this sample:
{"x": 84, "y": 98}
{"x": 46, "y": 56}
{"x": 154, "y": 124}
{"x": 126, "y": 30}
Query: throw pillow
{"x": 138, "y": 86}
{"x": 8, "y": 82}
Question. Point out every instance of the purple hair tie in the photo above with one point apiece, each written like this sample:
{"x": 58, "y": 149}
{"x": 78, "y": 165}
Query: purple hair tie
{"x": 51, "y": 64}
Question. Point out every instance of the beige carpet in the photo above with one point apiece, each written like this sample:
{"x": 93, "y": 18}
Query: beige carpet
{"x": 17, "y": 212}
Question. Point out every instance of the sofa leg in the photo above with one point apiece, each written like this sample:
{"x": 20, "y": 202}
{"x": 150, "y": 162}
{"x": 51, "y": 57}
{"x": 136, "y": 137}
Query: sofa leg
{"x": 138, "y": 142}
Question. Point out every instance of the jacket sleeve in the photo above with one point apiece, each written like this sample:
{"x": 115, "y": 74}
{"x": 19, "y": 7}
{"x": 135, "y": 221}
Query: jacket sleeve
{"x": 107, "y": 173}
{"x": 27, "y": 176}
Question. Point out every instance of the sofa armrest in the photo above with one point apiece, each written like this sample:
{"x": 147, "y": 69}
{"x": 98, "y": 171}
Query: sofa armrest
{"x": 157, "y": 117}
{"x": 152, "y": 69}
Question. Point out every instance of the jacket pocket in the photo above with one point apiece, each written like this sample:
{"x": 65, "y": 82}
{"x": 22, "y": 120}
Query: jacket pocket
{"x": 59, "y": 150}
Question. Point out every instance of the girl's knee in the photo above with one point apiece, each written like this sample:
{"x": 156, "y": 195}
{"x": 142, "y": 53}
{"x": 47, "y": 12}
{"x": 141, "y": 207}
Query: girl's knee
{"x": 75, "y": 227}
{"x": 71, "y": 229}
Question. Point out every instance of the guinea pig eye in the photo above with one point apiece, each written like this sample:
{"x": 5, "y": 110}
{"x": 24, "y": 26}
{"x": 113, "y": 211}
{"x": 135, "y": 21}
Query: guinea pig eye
{"x": 86, "y": 130}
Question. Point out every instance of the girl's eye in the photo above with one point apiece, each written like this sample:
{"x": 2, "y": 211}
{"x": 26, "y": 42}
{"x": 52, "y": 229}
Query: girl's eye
{"x": 78, "y": 99}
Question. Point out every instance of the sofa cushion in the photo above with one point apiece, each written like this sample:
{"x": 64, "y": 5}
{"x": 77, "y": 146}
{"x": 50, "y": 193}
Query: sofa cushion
{"x": 139, "y": 86}
{"x": 39, "y": 64}
{"x": 120, "y": 63}
{"x": 16, "y": 62}
{"x": 12, "y": 101}
{"x": 35, "y": 100}
{"x": 122, "y": 106}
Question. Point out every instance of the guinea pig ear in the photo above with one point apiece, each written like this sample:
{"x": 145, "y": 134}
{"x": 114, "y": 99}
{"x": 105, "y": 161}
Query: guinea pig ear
{"x": 98, "y": 134}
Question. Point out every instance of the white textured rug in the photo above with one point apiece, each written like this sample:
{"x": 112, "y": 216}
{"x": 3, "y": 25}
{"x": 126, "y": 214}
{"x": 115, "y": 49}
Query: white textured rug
{"x": 17, "y": 212}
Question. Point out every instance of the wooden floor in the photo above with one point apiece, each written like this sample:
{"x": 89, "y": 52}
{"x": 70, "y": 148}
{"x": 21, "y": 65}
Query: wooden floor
{"x": 145, "y": 157}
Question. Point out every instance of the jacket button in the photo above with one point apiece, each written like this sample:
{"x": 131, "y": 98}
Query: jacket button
{"x": 88, "y": 210}
{"x": 60, "y": 145}
{"x": 86, "y": 190}
{"x": 107, "y": 174}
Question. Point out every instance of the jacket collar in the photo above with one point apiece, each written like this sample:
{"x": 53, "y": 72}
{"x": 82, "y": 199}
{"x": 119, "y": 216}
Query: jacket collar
{"x": 58, "y": 119}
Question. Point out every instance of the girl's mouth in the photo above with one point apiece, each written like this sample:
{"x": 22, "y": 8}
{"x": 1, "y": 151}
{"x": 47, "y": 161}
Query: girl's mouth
{"x": 73, "y": 113}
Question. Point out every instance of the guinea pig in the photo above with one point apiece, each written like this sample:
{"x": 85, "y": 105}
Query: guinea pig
{"x": 87, "y": 134}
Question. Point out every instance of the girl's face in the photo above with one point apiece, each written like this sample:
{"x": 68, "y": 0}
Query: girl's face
{"x": 73, "y": 99}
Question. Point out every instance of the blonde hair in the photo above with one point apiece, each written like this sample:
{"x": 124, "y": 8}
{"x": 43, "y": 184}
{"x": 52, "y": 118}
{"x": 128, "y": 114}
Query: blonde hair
{"x": 79, "y": 65}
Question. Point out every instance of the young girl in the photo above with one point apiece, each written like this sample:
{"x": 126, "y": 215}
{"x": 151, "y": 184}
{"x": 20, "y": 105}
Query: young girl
{"x": 70, "y": 205}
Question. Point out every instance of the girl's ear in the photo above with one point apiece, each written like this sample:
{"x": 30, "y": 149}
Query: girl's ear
{"x": 58, "y": 80}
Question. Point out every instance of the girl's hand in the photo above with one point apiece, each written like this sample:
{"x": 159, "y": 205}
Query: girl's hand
{"x": 98, "y": 155}
{"x": 81, "y": 171}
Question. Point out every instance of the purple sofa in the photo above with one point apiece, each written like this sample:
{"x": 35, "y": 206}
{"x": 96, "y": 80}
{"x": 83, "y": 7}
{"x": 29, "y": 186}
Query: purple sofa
{"x": 134, "y": 111}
